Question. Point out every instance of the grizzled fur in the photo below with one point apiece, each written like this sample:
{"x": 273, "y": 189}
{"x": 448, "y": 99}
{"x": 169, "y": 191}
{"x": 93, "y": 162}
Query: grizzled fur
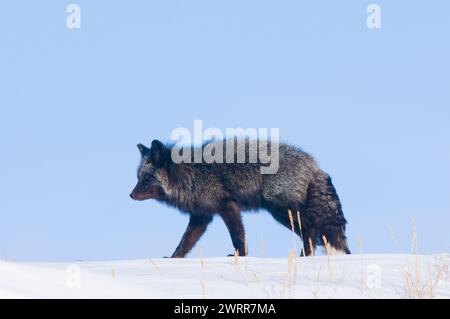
{"x": 203, "y": 190}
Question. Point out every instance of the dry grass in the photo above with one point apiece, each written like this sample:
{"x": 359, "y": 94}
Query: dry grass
{"x": 155, "y": 265}
{"x": 290, "y": 277}
{"x": 416, "y": 284}
{"x": 328, "y": 250}
{"x": 291, "y": 220}
{"x": 202, "y": 260}
{"x": 362, "y": 280}
{"x": 311, "y": 246}
{"x": 236, "y": 258}
{"x": 393, "y": 236}
{"x": 443, "y": 269}
{"x": 203, "y": 289}
{"x": 246, "y": 245}
{"x": 417, "y": 288}
{"x": 292, "y": 266}
{"x": 300, "y": 231}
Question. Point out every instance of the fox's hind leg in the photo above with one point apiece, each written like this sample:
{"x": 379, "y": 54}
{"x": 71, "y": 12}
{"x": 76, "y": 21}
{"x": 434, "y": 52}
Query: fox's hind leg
{"x": 324, "y": 208}
{"x": 335, "y": 235}
{"x": 196, "y": 228}
{"x": 231, "y": 215}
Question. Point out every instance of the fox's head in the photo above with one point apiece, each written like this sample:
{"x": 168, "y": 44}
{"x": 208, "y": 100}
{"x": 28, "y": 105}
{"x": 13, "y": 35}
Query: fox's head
{"x": 152, "y": 172}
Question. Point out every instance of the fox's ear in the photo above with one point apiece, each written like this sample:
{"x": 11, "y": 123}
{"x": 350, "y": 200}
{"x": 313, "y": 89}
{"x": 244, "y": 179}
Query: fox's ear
{"x": 157, "y": 145}
{"x": 157, "y": 153}
{"x": 143, "y": 149}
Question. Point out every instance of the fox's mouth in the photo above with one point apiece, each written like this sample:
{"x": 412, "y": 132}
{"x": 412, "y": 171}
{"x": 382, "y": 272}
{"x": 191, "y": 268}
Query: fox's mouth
{"x": 151, "y": 193}
{"x": 137, "y": 197}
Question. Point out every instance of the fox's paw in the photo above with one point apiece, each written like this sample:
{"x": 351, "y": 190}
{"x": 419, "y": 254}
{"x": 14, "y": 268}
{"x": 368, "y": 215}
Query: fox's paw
{"x": 238, "y": 255}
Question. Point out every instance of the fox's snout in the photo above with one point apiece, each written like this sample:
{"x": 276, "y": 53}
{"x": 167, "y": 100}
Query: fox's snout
{"x": 136, "y": 196}
{"x": 139, "y": 193}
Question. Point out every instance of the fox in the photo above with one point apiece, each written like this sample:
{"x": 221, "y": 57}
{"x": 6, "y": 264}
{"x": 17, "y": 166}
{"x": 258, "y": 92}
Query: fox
{"x": 299, "y": 193}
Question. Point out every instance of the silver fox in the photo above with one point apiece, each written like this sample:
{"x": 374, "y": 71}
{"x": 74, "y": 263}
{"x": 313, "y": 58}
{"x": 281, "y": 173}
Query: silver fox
{"x": 203, "y": 190}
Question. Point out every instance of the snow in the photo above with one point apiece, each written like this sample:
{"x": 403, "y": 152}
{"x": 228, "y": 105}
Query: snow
{"x": 347, "y": 276}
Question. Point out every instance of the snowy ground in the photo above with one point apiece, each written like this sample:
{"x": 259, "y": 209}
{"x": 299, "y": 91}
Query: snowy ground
{"x": 355, "y": 276}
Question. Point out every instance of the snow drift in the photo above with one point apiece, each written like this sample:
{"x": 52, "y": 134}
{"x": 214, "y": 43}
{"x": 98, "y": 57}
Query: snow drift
{"x": 351, "y": 276}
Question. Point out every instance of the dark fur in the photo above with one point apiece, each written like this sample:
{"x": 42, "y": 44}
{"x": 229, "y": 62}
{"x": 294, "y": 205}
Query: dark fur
{"x": 203, "y": 190}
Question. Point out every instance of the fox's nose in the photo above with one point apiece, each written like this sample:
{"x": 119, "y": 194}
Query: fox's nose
{"x": 132, "y": 195}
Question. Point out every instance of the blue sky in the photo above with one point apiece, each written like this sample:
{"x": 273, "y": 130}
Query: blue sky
{"x": 373, "y": 106}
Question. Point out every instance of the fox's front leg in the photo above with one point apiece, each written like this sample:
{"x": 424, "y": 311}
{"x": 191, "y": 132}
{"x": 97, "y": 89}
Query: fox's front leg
{"x": 196, "y": 228}
{"x": 231, "y": 215}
